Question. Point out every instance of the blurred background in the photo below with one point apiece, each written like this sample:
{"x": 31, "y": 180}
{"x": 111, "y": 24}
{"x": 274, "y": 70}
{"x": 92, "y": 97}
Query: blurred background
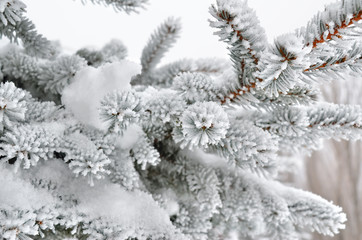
{"x": 333, "y": 172}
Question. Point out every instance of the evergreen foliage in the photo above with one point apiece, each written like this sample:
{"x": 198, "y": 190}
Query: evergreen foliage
{"x": 121, "y": 5}
{"x": 188, "y": 150}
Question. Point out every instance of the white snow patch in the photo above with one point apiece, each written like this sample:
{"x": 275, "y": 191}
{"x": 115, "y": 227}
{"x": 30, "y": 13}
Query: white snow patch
{"x": 129, "y": 209}
{"x": 171, "y": 205}
{"x": 207, "y": 159}
{"x": 82, "y": 97}
{"x": 16, "y": 192}
{"x": 130, "y": 137}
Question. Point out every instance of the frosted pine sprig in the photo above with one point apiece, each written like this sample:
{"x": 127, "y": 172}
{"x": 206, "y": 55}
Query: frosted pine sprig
{"x": 123, "y": 172}
{"x": 303, "y": 128}
{"x": 12, "y": 104}
{"x": 248, "y": 147}
{"x": 286, "y": 122}
{"x": 281, "y": 65}
{"x": 313, "y": 212}
{"x": 239, "y": 27}
{"x": 41, "y": 111}
{"x": 84, "y": 158}
{"x": 160, "y": 41}
{"x": 165, "y": 75}
{"x": 120, "y": 109}
{"x": 10, "y": 11}
{"x": 17, "y": 224}
{"x": 195, "y": 87}
{"x": 163, "y": 106}
{"x": 144, "y": 152}
{"x": 337, "y": 20}
{"x": 202, "y": 123}
{"x": 20, "y": 66}
{"x": 127, "y": 6}
{"x": 34, "y": 43}
{"x": 28, "y": 144}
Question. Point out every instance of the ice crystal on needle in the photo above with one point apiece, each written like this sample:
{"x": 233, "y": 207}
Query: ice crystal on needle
{"x": 203, "y": 123}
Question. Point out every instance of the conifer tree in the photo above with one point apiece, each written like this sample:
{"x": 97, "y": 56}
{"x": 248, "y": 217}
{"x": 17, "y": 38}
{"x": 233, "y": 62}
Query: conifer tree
{"x": 94, "y": 146}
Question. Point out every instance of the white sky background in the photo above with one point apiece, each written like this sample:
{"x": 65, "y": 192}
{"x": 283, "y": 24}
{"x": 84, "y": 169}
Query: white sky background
{"x": 76, "y": 25}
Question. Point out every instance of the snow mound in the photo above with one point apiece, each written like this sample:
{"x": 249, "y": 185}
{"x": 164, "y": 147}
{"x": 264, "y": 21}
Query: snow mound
{"x": 82, "y": 97}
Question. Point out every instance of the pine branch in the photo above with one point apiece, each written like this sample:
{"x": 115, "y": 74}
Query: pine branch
{"x": 334, "y": 22}
{"x": 17, "y": 223}
{"x": 239, "y": 27}
{"x": 292, "y": 59}
{"x": 28, "y": 144}
{"x": 201, "y": 186}
{"x": 195, "y": 87}
{"x": 313, "y": 212}
{"x": 248, "y": 147}
{"x": 162, "y": 108}
{"x": 103, "y": 141}
{"x": 119, "y": 110}
{"x": 159, "y": 43}
{"x": 103, "y": 228}
{"x": 20, "y": 66}
{"x": 12, "y": 105}
{"x": 231, "y": 93}
{"x": 34, "y": 43}
{"x": 301, "y": 129}
{"x": 299, "y": 95}
{"x": 84, "y": 157}
{"x": 165, "y": 75}
{"x": 331, "y": 60}
{"x": 284, "y": 71}
{"x": 333, "y": 115}
{"x": 207, "y": 191}
{"x": 237, "y": 95}
{"x": 201, "y": 124}
{"x": 256, "y": 207}
{"x": 127, "y": 6}
{"x": 42, "y": 111}
{"x": 11, "y": 11}
{"x": 123, "y": 172}
{"x": 333, "y": 37}
{"x": 144, "y": 153}
{"x": 280, "y": 66}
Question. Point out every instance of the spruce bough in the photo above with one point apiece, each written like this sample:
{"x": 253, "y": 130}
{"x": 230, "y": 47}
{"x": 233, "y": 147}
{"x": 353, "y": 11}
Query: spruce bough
{"x": 94, "y": 146}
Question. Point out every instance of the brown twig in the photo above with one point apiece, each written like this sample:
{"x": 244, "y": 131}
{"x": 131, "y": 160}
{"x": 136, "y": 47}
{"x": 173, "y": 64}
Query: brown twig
{"x": 356, "y": 17}
{"x": 287, "y": 57}
{"x": 228, "y": 18}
